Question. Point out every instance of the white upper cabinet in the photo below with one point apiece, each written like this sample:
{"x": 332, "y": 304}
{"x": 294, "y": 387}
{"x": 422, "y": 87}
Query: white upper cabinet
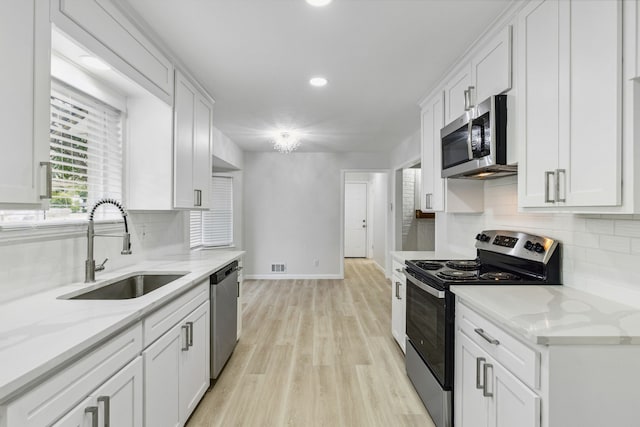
{"x": 102, "y": 28}
{"x": 24, "y": 112}
{"x": 192, "y": 146}
{"x": 457, "y": 95}
{"x": 487, "y": 73}
{"x": 432, "y": 197}
{"x": 570, "y": 105}
{"x": 491, "y": 67}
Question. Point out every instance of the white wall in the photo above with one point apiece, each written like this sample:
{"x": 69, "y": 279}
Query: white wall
{"x": 226, "y": 150}
{"x": 293, "y": 210}
{"x": 601, "y": 253}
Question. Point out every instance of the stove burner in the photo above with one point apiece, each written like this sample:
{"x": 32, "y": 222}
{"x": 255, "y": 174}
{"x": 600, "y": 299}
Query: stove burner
{"x": 426, "y": 265}
{"x": 457, "y": 275}
{"x": 499, "y": 275}
{"x": 464, "y": 265}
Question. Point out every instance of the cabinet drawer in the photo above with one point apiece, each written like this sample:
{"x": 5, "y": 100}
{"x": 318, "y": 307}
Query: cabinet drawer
{"x": 518, "y": 358}
{"x": 159, "y": 322}
{"x": 54, "y": 397}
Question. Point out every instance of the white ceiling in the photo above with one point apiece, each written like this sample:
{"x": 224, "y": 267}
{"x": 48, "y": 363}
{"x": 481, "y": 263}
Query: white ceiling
{"x": 381, "y": 57}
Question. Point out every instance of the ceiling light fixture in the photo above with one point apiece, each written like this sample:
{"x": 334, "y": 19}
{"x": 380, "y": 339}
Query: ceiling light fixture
{"x": 95, "y": 63}
{"x": 318, "y": 3}
{"x": 286, "y": 141}
{"x": 318, "y": 81}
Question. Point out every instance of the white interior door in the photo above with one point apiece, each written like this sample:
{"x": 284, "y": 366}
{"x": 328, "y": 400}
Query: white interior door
{"x": 355, "y": 219}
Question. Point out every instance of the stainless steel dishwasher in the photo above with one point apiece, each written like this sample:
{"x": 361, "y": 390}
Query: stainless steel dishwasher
{"x": 224, "y": 315}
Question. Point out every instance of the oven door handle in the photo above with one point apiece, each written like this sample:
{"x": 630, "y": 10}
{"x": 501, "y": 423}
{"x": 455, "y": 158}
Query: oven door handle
{"x": 428, "y": 289}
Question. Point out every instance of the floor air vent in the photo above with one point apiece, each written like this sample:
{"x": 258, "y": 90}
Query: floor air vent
{"x": 278, "y": 268}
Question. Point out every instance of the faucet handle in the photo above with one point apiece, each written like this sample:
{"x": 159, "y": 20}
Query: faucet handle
{"x": 101, "y": 266}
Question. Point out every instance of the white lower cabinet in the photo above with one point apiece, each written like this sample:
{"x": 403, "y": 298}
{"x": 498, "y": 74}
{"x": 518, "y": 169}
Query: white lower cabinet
{"x": 117, "y": 403}
{"x": 106, "y": 382}
{"x": 399, "y": 305}
{"x": 487, "y": 394}
{"x": 502, "y": 380}
{"x": 176, "y": 370}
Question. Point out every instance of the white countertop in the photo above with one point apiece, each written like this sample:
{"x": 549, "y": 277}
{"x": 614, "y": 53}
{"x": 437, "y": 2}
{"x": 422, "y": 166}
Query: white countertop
{"x": 554, "y": 315}
{"x": 41, "y": 332}
{"x": 402, "y": 256}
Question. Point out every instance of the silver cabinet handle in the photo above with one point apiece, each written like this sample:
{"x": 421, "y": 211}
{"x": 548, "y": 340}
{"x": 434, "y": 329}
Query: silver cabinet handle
{"x": 106, "y": 401}
{"x": 197, "y": 194}
{"x": 49, "y": 190}
{"x": 466, "y": 100}
{"x": 547, "y": 174}
{"x": 479, "y": 361}
{"x": 186, "y": 337}
{"x": 398, "y": 290}
{"x": 485, "y": 369}
{"x": 471, "y": 100}
{"x": 190, "y": 326}
{"x": 486, "y": 336}
{"x": 400, "y": 270}
{"x": 428, "y": 200}
{"x": 238, "y": 289}
{"x": 93, "y": 410}
{"x": 557, "y": 177}
{"x": 240, "y": 268}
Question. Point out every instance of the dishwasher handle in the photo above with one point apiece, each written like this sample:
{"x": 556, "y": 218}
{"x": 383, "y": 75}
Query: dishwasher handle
{"x": 224, "y": 272}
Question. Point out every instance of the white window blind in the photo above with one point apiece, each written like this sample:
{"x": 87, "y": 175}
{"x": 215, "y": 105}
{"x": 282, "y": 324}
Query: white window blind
{"x": 215, "y": 227}
{"x": 86, "y": 150}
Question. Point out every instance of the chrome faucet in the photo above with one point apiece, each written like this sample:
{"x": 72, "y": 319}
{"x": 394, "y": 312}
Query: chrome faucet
{"x": 90, "y": 267}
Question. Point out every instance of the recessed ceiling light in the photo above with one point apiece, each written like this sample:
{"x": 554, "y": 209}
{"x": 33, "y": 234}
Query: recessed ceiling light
{"x": 318, "y": 3}
{"x": 95, "y": 63}
{"x": 318, "y": 81}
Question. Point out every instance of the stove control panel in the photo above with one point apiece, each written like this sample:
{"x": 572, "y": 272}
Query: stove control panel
{"x": 517, "y": 244}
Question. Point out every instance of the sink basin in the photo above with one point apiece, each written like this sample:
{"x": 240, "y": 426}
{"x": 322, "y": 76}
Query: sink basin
{"x": 132, "y": 286}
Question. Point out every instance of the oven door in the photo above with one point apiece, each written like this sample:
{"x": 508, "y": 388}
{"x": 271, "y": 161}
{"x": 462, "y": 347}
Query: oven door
{"x": 430, "y": 314}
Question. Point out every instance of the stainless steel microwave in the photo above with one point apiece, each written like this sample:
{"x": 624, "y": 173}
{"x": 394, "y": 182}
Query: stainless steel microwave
{"x": 475, "y": 145}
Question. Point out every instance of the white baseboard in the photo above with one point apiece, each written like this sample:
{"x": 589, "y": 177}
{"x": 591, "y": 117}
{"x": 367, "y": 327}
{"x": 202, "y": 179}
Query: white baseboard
{"x": 278, "y": 276}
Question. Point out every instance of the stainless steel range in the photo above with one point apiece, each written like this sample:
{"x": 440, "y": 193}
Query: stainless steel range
{"x": 503, "y": 258}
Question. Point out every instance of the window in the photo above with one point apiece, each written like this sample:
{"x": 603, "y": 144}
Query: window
{"x": 86, "y": 156}
{"x": 214, "y": 227}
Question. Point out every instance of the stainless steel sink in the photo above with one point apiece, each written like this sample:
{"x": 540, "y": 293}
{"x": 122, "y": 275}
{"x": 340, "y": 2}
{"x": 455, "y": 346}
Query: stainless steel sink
{"x": 132, "y": 286}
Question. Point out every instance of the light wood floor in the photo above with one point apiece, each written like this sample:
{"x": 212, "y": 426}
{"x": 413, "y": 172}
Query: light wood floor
{"x": 315, "y": 353}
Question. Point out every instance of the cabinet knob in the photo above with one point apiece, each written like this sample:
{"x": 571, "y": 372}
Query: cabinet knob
{"x": 93, "y": 411}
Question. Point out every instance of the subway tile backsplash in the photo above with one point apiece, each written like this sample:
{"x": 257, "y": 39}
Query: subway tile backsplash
{"x": 601, "y": 253}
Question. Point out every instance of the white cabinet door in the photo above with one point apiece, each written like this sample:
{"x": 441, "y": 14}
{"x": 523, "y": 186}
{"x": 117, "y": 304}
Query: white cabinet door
{"x": 590, "y": 149}
{"x": 432, "y": 198}
{"x": 25, "y": 43}
{"x": 202, "y": 150}
{"x": 471, "y": 406}
{"x": 538, "y": 99}
{"x": 454, "y": 95}
{"x": 512, "y": 403}
{"x": 120, "y": 400}
{"x": 83, "y": 415}
{"x": 194, "y": 362}
{"x": 162, "y": 379}
{"x": 491, "y": 67}
{"x": 184, "y": 119}
{"x": 571, "y": 156}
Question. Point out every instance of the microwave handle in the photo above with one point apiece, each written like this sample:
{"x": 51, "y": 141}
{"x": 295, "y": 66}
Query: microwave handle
{"x": 469, "y": 138}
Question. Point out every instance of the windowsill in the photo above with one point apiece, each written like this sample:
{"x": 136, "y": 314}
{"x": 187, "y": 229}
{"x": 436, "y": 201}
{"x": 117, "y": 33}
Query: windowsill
{"x": 62, "y": 229}
{"x": 211, "y": 248}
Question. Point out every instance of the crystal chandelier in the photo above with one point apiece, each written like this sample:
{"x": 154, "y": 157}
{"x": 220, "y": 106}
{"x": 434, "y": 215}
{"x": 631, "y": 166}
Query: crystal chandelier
{"x": 285, "y": 141}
